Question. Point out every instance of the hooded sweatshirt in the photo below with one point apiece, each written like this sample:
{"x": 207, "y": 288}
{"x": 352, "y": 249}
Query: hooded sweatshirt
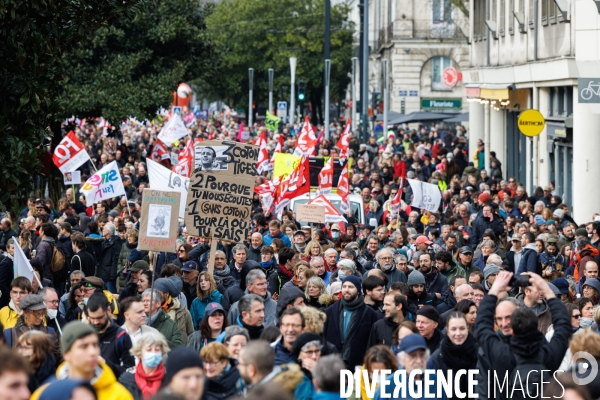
{"x": 529, "y": 260}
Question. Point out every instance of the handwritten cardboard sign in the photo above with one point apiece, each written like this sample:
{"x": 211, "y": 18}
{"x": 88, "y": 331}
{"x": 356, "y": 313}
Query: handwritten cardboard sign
{"x": 219, "y": 201}
{"x": 159, "y": 221}
{"x": 310, "y": 213}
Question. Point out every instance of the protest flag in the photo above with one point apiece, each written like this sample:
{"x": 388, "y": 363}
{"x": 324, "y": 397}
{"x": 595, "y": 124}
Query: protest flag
{"x": 326, "y": 178}
{"x": 173, "y": 130}
{"x": 306, "y": 141}
{"x": 159, "y": 151}
{"x": 69, "y": 154}
{"x": 22, "y": 266}
{"x": 103, "y": 185}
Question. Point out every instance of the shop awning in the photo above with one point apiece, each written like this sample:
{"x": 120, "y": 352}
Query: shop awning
{"x": 494, "y": 91}
{"x": 473, "y": 90}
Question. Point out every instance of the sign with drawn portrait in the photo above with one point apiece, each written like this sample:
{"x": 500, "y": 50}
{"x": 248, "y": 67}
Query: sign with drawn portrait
{"x": 72, "y": 178}
{"x": 219, "y": 201}
{"x": 159, "y": 220}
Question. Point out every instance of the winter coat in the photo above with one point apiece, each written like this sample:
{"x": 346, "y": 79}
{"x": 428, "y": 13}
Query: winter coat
{"x": 500, "y": 354}
{"x": 270, "y": 311}
{"x": 529, "y": 260}
{"x": 6, "y": 277}
{"x": 355, "y": 346}
{"x": 182, "y": 318}
{"x": 199, "y": 306}
{"x": 122, "y": 264}
{"x": 381, "y": 332}
{"x": 481, "y": 224}
{"x": 288, "y": 296}
{"x": 85, "y": 262}
{"x": 127, "y": 379}
{"x": 108, "y": 260}
{"x": 553, "y": 264}
{"x": 454, "y": 270}
{"x": 44, "y": 254}
{"x": 282, "y": 354}
{"x": 254, "y": 254}
{"x": 224, "y": 386}
{"x": 437, "y": 283}
{"x": 276, "y": 279}
{"x": 94, "y": 247}
{"x": 426, "y": 299}
{"x": 165, "y": 325}
{"x": 268, "y": 239}
{"x": 393, "y": 274}
{"x": 115, "y": 344}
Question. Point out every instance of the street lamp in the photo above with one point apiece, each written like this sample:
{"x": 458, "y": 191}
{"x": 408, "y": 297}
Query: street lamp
{"x": 327, "y": 79}
{"x": 271, "y": 73}
{"x": 251, "y": 86}
{"x": 293, "y": 98}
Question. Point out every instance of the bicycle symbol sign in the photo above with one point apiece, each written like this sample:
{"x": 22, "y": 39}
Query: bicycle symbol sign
{"x": 589, "y": 90}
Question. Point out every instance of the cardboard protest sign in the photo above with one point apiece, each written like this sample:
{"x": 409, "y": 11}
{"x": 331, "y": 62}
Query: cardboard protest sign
{"x": 219, "y": 201}
{"x": 69, "y": 154}
{"x": 72, "y": 178}
{"x": 310, "y": 213}
{"x": 162, "y": 178}
{"x": 159, "y": 222}
{"x": 103, "y": 185}
{"x": 425, "y": 195}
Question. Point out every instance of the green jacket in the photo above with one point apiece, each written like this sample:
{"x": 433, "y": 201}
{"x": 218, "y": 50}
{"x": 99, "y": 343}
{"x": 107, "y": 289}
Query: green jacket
{"x": 467, "y": 270}
{"x": 165, "y": 325}
{"x": 123, "y": 262}
{"x": 455, "y": 270}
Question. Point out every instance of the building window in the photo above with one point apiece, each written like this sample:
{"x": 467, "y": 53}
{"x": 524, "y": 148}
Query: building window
{"x": 479, "y": 26}
{"x": 442, "y": 11}
{"x": 502, "y": 18}
{"x": 552, "y": 11}
{"x": 545, "y": 11}
{"x": 561, "y": 101}
{"x": 438, "y": 64}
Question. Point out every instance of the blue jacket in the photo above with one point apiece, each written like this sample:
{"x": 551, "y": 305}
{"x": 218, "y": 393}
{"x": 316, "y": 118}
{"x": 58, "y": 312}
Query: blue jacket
{"x": 326, "y": 396}
{"x": 282, "y": 354}
{"x": 391, "y": 386}
{"x": 529, "y": 260}
{"x": 268, "y": 239}
{"x": 199, "y": 306}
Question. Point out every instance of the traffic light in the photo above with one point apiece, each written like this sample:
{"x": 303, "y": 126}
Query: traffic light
{"x": 376, "y": 97}
{"x": 301, "y": 90}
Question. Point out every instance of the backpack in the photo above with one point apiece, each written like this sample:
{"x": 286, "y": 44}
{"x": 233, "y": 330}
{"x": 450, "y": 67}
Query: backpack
{"x": 58, "y": 259}
{"x": 522, "y": 377}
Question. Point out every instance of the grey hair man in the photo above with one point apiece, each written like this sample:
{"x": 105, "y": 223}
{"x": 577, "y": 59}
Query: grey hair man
{"x": 326, "y": 374}
{"x": 159, "y": 320}
{"x": 252, "y": 314}
{"x": 256, "y": 284}
{"x": 385, "y": 262}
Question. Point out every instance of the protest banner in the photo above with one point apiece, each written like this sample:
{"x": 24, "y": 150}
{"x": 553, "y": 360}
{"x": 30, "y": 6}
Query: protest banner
{"x": 162, "y": 178}
{"x": 103, "y": 185}
{"x": 219, "y": 200}
{"x": 22, "y": 266}
{"x": 173, "y": 130}
{"x": 158, "y": 226}
{"x": 284, "y": 164}
{"x": 425, "y": 195}
{"x": 69, "y": 154}
{"x": 310, "y": 213}
{"x": 72, "y": 178}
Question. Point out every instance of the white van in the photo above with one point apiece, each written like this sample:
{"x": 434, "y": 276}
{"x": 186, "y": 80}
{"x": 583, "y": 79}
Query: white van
{"x": 355, "y": 201}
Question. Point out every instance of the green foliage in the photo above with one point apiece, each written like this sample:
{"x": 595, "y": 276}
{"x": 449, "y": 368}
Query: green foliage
{"x": 34, "y": 34}
{"x": 263, "y": 34}
{"x": 132, "y": 67}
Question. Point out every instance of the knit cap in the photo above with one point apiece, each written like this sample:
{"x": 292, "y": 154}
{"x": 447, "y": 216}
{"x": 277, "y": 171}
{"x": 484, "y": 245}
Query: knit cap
{"x": 490, "y": 269}
{"x": 72, "y": 331}
{"x": 415, "y": 278}
{"x": 179, "y": 359}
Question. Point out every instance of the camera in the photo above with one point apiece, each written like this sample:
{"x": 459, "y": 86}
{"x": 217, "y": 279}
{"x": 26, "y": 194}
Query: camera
{"x": 519, "y": 281}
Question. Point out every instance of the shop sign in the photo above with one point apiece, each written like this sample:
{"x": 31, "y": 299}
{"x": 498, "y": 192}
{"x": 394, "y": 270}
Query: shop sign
{"x": 531, "y": 122}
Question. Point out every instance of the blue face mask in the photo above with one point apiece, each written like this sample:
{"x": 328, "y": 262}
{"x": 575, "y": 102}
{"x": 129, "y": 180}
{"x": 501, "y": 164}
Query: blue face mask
{"x": 151, "y": 360}
{"x": 342, "y": 274}
{"x": 335, "y": 234}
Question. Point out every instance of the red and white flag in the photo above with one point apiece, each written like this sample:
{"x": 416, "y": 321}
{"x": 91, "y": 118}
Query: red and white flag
{"x": 184, "y": 167}
{"x": 344, "y": 143}
{"x": 159, "y": 151}
{"x": 188, "y": 150}
{"x": 263, "y": 154}
{"x": 343, "y": 189}
{"x": 306, "y": 142}
{"x": 295, "y": 184}
{"x": 278, "y": 149}
{"x": 326, "y": 178}
{"x": 69, "y": 154}
{"x": 396, "y": 203}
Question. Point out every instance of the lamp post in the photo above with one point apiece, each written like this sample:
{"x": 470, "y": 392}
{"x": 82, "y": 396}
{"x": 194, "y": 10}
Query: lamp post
{"x": 353, "y": 88}
{"x": 386, "y": 94}
{"x": 271, "y": 74}
{"x": 364, "y": 96}
{"x": 327, "y": 78}
{"x": 293, "y": 99}
{"x": 251, "y": 85}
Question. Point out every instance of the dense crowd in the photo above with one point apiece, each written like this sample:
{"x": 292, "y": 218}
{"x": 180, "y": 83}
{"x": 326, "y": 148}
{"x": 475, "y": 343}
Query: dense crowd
{"x": 497, "y": 279}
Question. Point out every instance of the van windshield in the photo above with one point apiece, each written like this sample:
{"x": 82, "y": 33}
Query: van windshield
{"x": 336, "y": 203}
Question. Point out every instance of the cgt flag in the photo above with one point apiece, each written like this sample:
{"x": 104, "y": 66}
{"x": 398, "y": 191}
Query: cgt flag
{"x": 326, "y": 178}
{"x": 69, "y": 154}
{"x": 103, "y": 185}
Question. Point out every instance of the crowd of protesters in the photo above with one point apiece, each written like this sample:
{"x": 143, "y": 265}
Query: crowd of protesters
{"x": 497, "y": 279}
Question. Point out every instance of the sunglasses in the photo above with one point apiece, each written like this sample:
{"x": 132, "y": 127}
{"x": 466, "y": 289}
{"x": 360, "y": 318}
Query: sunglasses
{"x": 577, "y": 316}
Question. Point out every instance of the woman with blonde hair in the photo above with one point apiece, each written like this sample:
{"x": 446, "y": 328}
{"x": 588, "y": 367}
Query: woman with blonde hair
{"x": 36, "y": 347}
{"x": 316, "y": 293}
{"x": 313, "y": 249}
{"x": 144, "y": 380}
{"x": 206, "y": 292}
{"x": 224, "y": 378}
{"x": 314, "y": 321}
{"x": 25, "y": 242}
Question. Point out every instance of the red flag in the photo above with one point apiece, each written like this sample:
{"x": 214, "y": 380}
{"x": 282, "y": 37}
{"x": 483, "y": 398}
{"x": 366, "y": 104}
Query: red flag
{"x": 159, "y": 151}
{"x": 263, "y": 154}
{"x": 344, "y": 142}
{"x": 69, "y": 154}
{"x": 188, "y": 150}
{"x": 326, "y": 178}
{"x": 278, "y": 149}
{"x": 343, "y": 189}
{"x": 306, "y": 142}
{"x": 396, "y": 201}
{"x": 184, "y": 167}
{"x": 294, "y": 185}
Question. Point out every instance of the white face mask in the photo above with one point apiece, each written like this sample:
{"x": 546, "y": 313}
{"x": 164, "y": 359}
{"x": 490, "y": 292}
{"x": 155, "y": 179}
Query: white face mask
{"x": 85, "y": 300}
{"x": 52, "y": 313}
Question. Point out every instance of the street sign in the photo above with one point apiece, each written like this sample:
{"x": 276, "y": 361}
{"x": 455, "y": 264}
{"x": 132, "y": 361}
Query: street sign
{"x": 282, "y": 109}
{"x": 413, "y": 93}
{"x": 403, "y": 93}
{"x": 589, "y": 90}
{"x": 177, "y": 110}
{"x": 531, "y": 122}
{"x": 441, "y": 104}
{"x": 450, "y": 77}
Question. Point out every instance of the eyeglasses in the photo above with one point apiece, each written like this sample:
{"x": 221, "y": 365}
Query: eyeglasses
{"x": 215, "y": 363}
{"x": 296, "y": 326}
{"x": 312, "y": 352}
{"x": 577, "y": 316}
{"x": 51, "y": 301}
{"x": 181, "y": 251}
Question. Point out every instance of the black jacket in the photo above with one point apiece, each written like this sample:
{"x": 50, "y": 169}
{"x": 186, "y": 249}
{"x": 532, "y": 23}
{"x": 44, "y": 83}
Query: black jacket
{"x": 437, "y": 283}
{"x": 85, "y": 262}
{"x": 109, "y": 259}
{"x": 254, "y": 254}
{"x": 276, "y": 279}
{"x": 115, "y": 344}
{"x": 94, "y": 247}
{"x": 425, "y": 299}
{"x": 127, "y": 379}
{"x": 225, "y": 386}
{"x": 500, "y": 353}
{"x": 6, "y": 277}
{"x": 381, "y": 332}
{"x": 481, "y": 224}
{"x": 434, "y": 342}
{"x": 354, "y": 349}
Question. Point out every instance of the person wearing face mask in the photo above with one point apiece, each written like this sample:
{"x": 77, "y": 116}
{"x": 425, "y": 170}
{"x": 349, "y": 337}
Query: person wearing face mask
{"x": 335, "y": 231}
{"x": 54, "y": 320}
{"x": 144, "y": 380}
{"x": 586, "y": 308}
{"x": 552, "y": 262}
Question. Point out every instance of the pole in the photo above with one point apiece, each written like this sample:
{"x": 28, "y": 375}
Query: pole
{"x": 250, "y": 86}
{"x": 364, "y": 96}
{"x": 386, "y": 93}
{"x": 293, "y": 96}
{"x": 353, "y": 88}
{"x": 271, "y": 74}
{"x": 327, "y": 78}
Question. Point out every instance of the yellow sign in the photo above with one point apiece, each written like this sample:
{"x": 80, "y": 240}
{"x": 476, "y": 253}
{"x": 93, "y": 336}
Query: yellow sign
{"x": 284, "y": 164}
{"x": 531, "y": 122}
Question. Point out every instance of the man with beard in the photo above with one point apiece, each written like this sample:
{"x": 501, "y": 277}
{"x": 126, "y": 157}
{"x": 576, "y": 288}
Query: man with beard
{"x": 374, "y": 291}
{"x": 395, "y": 308}
{"x": 255, "y": 362}
{"x": 486, "y": 220}
{"x": 436, "y": 283}
{"x": 417, "y": 293}
{"x": 445, "y": 264}
{"x": 553, "y": 264}
{"x": 385, "y": 262}
{"x": 115, "y": 343}
{"x": 349, "y": 323}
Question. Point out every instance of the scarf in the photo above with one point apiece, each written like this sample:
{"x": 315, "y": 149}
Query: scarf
{"x": 149, "y": 383}
{"x": 288, "y": 273}
{"x": 21, "y": 328}
{"x": 267, "y": 265}
{"x": 300, "y": 248}
{"x": 150, "y": 321}
{"x": 457, "y": 357}
{"x": 592, "y": 252}
{"x": 353, "y": 305}
{"x": 253, "y": 331}
{"x": 167, "y": 304}
{"x": 222, "y": 272}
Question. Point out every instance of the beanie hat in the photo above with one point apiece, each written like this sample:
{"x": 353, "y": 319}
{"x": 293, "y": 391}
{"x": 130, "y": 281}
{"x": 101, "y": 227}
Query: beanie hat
{"x": 355, "y": 280}
{"x": 72, "y": 331}
{"x": 302, "y": 340}
{"x": 63, "y": 389}
{"x": 592, "y": 282}
{"x": 490, "y": 269}
{"x": 559, "y": 213}
{"x": 539, "y": 220}
{"x": 167, "y": 285}
{"x": 179, "y": 359}
{"x": 415, "y": 278}
{"x": 430, "y": 312}
{"x": 484, "y": 197}
{"x": 562, "y": 285}
{"x": 581, "y": 232}
{"x": 135, "y": 255}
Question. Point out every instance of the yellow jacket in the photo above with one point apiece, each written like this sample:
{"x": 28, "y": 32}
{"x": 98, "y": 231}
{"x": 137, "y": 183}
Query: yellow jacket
{"x": 8, "y": 316}
{"x": 104, "y": 382}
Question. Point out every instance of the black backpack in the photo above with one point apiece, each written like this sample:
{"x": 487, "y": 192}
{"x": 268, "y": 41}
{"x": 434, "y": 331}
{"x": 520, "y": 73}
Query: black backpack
{"x": 527, "y": 378}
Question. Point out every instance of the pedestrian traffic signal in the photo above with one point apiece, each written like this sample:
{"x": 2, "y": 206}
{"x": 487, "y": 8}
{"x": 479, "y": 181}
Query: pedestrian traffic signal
{"x": 301, "y": 90}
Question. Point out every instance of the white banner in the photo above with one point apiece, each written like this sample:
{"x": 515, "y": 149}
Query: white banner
{"x": 22, "y": 265}
{"x": 173, "y": 130}
{"x": 162, "y": 178}
{"x": 425, "y": 195}
{"x": 103, "y": 185}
